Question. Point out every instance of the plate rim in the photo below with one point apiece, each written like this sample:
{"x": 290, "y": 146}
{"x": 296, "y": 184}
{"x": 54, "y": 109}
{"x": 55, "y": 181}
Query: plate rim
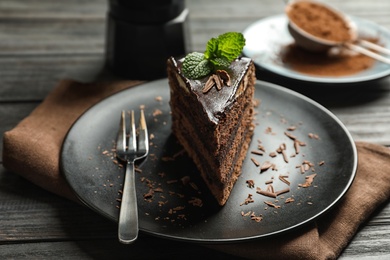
{"x": 306, "y": 78}
{"x": 258, "y": 83}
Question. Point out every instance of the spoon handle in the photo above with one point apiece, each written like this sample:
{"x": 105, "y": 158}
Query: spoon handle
{"x": 367, "y": 52}
{"x": 374, "y": 47}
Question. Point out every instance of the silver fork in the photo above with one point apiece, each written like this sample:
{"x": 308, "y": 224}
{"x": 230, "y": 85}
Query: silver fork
{"x": 129, "y": 148}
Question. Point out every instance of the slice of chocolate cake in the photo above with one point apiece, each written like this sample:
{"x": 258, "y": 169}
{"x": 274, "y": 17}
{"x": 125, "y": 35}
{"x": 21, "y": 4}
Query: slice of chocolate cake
{"x": 212, "y": 117}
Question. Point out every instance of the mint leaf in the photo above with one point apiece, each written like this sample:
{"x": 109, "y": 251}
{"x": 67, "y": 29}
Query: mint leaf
{"x": 211, "y": 49}
{"x": 220, "y": 63}
{"x": 196, "y": 66}
{"x": 219, "y": 54}
{"x": 228, "y": 45}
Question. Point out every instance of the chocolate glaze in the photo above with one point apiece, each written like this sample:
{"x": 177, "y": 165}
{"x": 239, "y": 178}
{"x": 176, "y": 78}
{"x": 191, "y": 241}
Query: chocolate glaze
{"x": 215, "y": 102}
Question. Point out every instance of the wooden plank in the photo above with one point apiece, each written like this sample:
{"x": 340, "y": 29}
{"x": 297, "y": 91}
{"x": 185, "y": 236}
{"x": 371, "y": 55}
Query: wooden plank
{"x": 371, "y": 242}
{"x": 43, "y": 37}
{"x": 29, "y": 213}
{"x": 40, "y": 74}
{"x": 150, "y": 248}
{"x": 48, "y": 9}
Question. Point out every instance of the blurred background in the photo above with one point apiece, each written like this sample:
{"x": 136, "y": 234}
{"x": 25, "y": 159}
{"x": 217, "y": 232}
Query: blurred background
{"x": 70, "y": 38}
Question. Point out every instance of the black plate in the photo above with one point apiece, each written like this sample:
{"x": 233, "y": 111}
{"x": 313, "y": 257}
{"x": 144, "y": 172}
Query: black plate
{"x": 89, "y": 166}
{"x": 267, "y": 37}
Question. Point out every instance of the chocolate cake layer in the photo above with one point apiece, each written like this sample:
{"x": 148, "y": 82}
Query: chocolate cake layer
{"x": 227, "y": 158}
{"x": 217, "y": 138}
{"x": 230, "y": 169}
{"x": 215, "y": 128}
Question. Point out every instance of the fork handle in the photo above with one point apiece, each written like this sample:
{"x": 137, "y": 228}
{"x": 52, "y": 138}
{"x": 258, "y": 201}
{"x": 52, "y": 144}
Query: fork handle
{"x": 128, "y": 216}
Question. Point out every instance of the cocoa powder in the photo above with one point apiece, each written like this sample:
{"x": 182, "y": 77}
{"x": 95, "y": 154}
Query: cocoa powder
{"x": 319, "y": 21}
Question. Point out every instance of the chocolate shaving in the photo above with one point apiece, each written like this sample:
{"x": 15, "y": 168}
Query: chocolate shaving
{"x": 257, "y": 218}
{"x": 292, "y": 128}
{"x": 270, "y": 188}
{"x": 255, "y": 162}
{"x": 149, "y": 194}
{"x": 289, "y": 200}
{"x": 282, "y": 191}
{"x": 272, "y": 154}
{"x": 196, "y": 202}
{"x": 251, "y": 183}
{"x": 282, "y": 150}
{"x": 248, "y": 200}
{"x": 218, "y": 81}
{"x": 193, "y": 185}
{"x": 283, "y": 179}
{"x": 265, "y": 193}
{"x": 309, "y": 181}
{"x": 265, "y": 166}
{"x": 178, "y": 208}
{"x": 261, "y": 147}
{"x": 245, "y": 214}
{"x": 208, "y": 85}
{"x": 305, "y": 166}
{"x": 296, "y": 146}
{"x": 224, "y": 76}
{"x": 257, "y": 152}
{"x": 291, "y": 136}
{"x": 271, "y": 204}
{"x": 268, "y": 130}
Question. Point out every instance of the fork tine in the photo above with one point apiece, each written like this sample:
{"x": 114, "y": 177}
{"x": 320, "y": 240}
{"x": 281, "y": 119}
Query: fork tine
{"x": 121, "y": 138}
{"x": 132, "y": 145}
{"x": 143, "y": 140}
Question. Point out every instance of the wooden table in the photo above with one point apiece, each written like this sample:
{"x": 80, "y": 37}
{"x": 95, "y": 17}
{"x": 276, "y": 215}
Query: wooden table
{"x": 44, "y": 41}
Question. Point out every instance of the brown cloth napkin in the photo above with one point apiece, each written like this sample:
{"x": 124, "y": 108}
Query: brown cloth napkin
{"x": 32, "y": 149}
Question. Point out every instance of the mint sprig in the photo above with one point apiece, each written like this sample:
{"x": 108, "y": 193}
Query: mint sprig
{"x": 219, "y": 54}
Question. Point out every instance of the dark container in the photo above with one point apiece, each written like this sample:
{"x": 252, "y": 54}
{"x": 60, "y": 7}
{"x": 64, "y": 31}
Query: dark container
{"x": 141, "y": 35}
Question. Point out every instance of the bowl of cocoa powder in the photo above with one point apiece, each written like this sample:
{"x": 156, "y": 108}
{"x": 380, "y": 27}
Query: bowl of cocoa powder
{"x": 277, "y": 56}
{"x": 317, "y": 27}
